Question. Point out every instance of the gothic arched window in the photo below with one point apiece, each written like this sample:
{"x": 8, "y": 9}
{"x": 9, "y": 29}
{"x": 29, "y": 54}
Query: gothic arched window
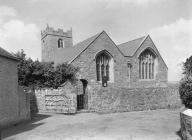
{"x": 60, "y": 43}
{"x": 147, "y": 65}
{"x": 104, "y": 66}
{"x": 129, "y": 71}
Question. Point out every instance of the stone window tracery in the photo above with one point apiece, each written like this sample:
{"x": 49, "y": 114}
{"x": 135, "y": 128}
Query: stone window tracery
{"x": 147, "y": 65}
{"x": 104, "y": 66}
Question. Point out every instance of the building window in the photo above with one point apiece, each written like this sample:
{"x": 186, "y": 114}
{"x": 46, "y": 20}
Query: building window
{"x": 104, "y": 66}
{"x": 60, "y": 43}
{"x": 107, "y": 72}
{"x": 147, "y": 65}
{"x": 129, "y": 71}
{"x": 98, "y": 69}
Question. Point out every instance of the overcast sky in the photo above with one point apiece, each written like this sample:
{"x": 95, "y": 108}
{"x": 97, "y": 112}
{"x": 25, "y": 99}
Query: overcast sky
{"x": 168, "y": 22}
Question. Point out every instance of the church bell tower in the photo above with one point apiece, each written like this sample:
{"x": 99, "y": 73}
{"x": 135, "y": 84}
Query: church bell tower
{"x": 54, "y": 42}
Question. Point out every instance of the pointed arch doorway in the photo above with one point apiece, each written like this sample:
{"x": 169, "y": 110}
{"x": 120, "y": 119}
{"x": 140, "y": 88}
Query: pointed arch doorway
{"x": 82, "y": 98}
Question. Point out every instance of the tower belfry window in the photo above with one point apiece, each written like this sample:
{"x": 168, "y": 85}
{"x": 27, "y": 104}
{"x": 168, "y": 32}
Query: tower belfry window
{"x": 60, "y": 43}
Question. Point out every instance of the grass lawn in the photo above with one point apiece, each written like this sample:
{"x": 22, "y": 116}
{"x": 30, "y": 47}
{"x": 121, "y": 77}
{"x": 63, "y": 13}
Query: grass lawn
{"x": 143, "y": 125}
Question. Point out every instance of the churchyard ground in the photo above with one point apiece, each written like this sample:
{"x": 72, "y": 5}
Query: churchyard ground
{"x": 160, "y": 124}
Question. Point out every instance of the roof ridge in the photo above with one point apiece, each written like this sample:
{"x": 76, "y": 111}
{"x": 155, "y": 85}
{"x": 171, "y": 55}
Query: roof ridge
{"x": 88, "y": 38}
{"x": 134, "y": 39}
{"x": 130, "y": 47}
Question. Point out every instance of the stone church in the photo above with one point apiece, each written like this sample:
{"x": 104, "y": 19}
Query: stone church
{"x": 105, "y": 65}
{"x": 136, "y": 63}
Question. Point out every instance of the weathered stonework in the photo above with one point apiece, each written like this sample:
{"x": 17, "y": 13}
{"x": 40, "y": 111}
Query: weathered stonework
{"x": 161, "y": 75}
{"x": 49, "y": 41}
{"x": 86, "y": 62}
{"x": 86, "y": 59}
{"x": 115, "y": 99}
{"x": 111, "y": 99}
{"x": 63, "y": 100}
{"x": 186, "y": 126}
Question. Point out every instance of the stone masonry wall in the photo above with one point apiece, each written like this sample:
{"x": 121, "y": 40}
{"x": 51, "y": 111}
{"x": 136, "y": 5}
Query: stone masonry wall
{"x": 161, "y": 73}
{"x": 115, "y": 99}
{"x": 86, "y": 61}
{"x": 63, "y": 100}
{"x": 49, "y": 43}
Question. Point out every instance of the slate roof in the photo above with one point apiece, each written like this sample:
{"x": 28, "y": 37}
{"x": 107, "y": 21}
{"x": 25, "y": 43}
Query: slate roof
{"x": 71, "y": 53}
{"x": 6, "y": 54}
{"x": 130, "y": 47}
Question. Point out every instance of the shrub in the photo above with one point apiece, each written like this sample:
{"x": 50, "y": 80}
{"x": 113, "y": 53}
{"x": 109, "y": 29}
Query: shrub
{"x": 35, "y": 74}
{"x": 64, "y": 72}
{"x": 185, "y": 91}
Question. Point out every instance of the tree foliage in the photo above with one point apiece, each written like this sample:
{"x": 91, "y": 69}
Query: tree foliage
{"x": 63, "y": 72}
{"x": 187, "y": 66}
{"x": 37, "y": 74}
{"x": 185, "y": 88}
{"x": 185, "y": 91}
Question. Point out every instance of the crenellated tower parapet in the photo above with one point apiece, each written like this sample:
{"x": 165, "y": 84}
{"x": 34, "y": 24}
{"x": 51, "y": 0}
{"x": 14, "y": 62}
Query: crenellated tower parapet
{"x": 58, "y": 32}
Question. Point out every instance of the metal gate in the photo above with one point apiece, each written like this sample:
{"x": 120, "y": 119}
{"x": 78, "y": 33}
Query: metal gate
{"x": 82, "y": 98}
{"x": 80, "y": 95}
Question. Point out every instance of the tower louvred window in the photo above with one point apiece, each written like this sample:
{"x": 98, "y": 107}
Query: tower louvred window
{"x": 60, "y": 43}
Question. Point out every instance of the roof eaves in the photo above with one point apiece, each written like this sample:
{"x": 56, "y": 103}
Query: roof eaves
{"x": 9, "y": 57}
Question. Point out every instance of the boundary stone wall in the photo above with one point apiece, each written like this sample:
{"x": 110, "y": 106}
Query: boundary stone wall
{"x": 108, "y": 99}
{"x": 62, "y": 100}
{"x": 115, "y": 99}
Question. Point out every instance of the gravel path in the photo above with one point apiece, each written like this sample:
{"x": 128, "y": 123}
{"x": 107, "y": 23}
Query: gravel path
{"x": 142, "y": 125}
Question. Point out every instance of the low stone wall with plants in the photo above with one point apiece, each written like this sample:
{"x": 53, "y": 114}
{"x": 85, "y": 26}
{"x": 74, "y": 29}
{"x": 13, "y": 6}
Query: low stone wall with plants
{"x": 115, "y": 99}
{"x": 62, "y": 100}
{"x": 106, "y": 99}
